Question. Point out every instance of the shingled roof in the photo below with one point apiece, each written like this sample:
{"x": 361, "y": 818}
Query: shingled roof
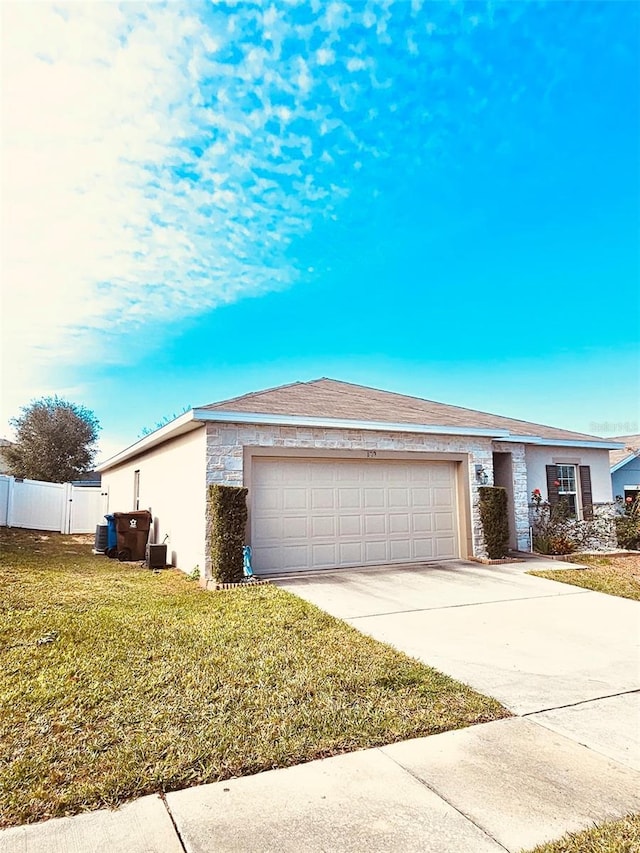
{"x": 329, "y": 398}
{"x": 631, "y": 448}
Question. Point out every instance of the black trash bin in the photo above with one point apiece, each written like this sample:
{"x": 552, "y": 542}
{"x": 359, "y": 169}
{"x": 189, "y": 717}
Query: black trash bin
{"x": 132, "y": 530}
{"x": 100, "y": 545}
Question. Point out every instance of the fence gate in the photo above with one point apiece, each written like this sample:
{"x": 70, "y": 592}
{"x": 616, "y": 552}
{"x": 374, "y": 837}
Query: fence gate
{"x": 87, "y": 507}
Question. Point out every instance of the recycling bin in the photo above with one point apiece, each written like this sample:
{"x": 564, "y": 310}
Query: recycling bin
{"x": 132, "y": 529}
{"x": 112, "y": 537}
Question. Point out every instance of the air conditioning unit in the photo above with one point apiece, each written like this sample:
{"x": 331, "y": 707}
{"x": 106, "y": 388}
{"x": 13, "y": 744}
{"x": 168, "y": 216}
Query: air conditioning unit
{"x": 157, "y": 556}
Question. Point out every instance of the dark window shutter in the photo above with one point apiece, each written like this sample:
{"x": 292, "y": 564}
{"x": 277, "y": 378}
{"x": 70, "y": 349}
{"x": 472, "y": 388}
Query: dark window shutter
{"x": 552, "y": 489}
{"x": 585, "y": 491}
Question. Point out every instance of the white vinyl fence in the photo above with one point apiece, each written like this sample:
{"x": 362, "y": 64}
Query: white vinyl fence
{"x": 51, "y": 506}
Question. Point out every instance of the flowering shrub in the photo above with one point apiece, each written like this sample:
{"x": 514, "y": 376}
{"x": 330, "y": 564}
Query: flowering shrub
{"x": 556, "y": 531}
{"x": 628, "y": 523}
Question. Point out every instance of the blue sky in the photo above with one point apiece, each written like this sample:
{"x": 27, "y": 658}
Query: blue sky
{"x": 440, "y": 199}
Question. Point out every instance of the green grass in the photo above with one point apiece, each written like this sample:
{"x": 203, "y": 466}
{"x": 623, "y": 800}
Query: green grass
{"x": 613, "y": 575}
{"x": 620, "y": 836}
{"x": 116, "y": 682}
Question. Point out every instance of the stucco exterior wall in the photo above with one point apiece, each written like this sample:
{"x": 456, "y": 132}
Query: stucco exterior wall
{"x": 628, "y": 475}
{"x": 173, "y": 488}
{"x": 229, "y": 457}
{"x": 537, "y": 458}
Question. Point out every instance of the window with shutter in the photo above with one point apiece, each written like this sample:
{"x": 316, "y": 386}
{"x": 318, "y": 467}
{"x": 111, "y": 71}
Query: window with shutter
{"x": 572, "y": 484}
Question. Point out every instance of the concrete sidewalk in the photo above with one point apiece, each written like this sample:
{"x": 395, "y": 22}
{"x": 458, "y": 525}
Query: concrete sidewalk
{"x": 502, "y": 786}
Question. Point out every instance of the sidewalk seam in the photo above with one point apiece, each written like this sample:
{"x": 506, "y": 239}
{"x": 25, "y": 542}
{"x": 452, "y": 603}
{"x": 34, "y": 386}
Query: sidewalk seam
{"x": 443, "y": 798}
{"x": 581, "y": 702}
{"x": 163, "y": 797}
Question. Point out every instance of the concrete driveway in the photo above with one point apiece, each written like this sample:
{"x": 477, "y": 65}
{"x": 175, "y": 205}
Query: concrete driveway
{"x": 563, "y": 656}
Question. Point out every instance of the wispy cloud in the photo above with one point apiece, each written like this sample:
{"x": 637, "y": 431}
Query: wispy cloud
{"x": 158, "y": 161}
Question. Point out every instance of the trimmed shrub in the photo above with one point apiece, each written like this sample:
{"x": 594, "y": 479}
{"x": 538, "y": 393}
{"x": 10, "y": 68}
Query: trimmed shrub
{"x": 226, "y": 525}
{"x": 495, "y": 521}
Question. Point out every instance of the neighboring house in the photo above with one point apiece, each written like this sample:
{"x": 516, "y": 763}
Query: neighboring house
{"x": 625, "y": 467}
{"x": 343, "y": 475}
{"x": 88, "y": 480}
{"x": 4, "y": 462}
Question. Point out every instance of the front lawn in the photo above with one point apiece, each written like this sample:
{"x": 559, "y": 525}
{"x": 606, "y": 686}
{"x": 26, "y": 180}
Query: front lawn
{"x": 117, "y": 682}
{"x": 620, "y": 836}
{"x": 614, "y": 575}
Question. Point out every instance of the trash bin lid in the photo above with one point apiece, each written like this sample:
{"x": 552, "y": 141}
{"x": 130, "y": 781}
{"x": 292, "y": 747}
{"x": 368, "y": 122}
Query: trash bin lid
{"x": 137, "y": 520}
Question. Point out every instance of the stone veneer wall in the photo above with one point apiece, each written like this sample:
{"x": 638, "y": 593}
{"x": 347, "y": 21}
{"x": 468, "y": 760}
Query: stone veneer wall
{"x": 226, "y": 442}
{"x": 605, "y": 514}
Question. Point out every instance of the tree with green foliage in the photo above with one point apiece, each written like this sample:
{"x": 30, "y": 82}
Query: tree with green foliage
{"x": 55, "y": 441}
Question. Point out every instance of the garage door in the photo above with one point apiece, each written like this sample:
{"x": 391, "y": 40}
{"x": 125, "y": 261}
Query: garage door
{"x": 318, "y": 513}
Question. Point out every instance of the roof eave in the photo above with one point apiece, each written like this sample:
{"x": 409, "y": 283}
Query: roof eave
{"x": 206, "y": 415}
{"x": 563, "y": 442}
{"x": 182, "y": 424}
{"x": 434, "y": 429}
{"x": 195, "y": 417}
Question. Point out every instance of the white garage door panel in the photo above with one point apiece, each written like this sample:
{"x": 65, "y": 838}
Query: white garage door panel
{"x": 325, "y": 514}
